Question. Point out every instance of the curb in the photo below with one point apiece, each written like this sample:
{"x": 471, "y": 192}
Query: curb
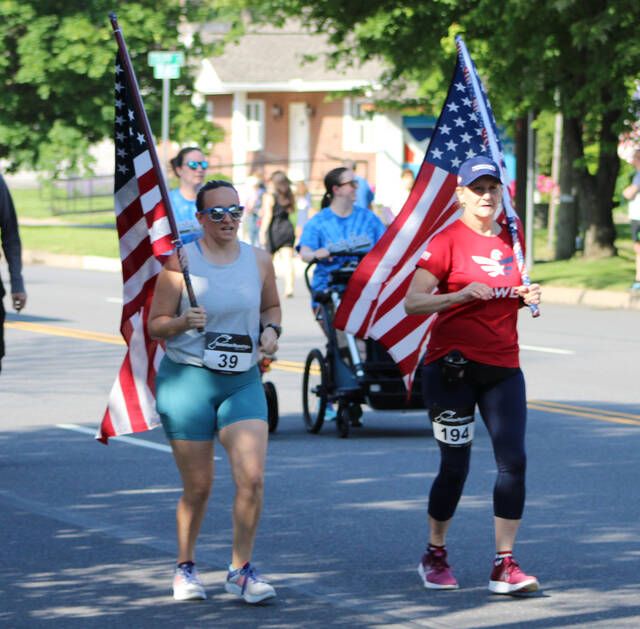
{"x": 550, "y": 294}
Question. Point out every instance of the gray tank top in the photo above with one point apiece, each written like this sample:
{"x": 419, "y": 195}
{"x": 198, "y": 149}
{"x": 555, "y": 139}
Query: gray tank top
{"x": 231, "y": 296}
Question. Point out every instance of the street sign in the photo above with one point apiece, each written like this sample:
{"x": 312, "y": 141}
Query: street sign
{"x": 163, "y": 71}
{"x": 165, "y": 58}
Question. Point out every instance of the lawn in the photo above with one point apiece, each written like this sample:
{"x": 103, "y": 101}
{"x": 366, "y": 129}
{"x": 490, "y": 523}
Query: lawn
{"x": 92, "y": 233}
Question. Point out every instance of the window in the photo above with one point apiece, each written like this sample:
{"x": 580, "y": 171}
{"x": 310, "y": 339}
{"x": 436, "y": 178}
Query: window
{"x": 255, "y": 125}
{"x": 358, "y": 125}
{"x": 210, "y": 110}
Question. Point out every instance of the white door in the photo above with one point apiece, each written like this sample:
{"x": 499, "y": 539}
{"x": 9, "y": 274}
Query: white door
{"x": 299, "y": 142}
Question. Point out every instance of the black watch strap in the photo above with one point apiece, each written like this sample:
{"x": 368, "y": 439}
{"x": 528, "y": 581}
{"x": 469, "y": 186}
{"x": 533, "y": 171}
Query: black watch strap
{"x": 276, "y": 328}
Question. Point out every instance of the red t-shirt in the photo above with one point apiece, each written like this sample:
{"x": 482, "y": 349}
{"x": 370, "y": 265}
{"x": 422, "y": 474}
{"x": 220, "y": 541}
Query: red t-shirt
{"x": 484, "y": 331}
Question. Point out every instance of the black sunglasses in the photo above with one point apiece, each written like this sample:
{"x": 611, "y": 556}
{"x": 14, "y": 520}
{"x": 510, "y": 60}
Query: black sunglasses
{"x": 193, "y": 164}
{"x": 217, "y": 214}
{"x": 352, "y": 182}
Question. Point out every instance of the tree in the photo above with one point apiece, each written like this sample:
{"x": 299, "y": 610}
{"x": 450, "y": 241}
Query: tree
{"x": 56, "y": 70}
{"x": 587, "y": 52}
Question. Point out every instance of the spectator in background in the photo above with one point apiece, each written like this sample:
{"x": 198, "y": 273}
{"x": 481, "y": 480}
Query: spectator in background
{"x": 407, "y": 180}
{"x": 190, "y": 167}
{"x": 364, "y": 194}
{"x": 303, "y": 207}
{"x": 632, "y": 194}
{"x": 254, "y": 193}
{"x": 13, "y": 253}
{"x": 276, "y": 231}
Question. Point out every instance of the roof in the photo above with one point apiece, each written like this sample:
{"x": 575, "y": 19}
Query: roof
{"x": 272, "y": 59}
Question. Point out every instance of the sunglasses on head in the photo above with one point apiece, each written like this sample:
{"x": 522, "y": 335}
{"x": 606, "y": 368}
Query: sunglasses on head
{"x": 216, "y": 214}
{"x": 193, "y": 164}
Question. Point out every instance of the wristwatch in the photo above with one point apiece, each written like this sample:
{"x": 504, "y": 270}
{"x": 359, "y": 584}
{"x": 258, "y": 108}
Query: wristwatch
{"x": 276, "y": 328}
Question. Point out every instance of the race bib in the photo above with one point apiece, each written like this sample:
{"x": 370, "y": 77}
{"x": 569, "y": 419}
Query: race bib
{"x": 227, "y": 353}
{"x": 453, "y": 430}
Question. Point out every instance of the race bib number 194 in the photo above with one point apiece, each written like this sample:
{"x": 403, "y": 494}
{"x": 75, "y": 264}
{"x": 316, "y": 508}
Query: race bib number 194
{"x": 229, "y": 353}
{"x": 453, "y": 430}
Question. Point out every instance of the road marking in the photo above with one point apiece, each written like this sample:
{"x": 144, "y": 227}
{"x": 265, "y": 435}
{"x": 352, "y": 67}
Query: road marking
{"x": 586, "y": 412}
{"x": 73, "y": 333}
{"x": 548, "y": 350}
{"x": 114, "y": 300}
{"x": 297, "y": 367}
{"x": 141, "y": 443}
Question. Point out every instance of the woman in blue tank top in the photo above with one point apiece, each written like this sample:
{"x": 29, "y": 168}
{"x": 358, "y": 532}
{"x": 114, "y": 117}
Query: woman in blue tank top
{"x": 209, "y": 382}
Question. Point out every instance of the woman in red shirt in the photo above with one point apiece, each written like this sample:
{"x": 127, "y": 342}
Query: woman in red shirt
{"x": 472, "y": 359}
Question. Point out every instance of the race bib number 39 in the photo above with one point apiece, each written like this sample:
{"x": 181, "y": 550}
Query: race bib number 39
{"x": 229, "y": 353}
{"x": 453, "y": 430}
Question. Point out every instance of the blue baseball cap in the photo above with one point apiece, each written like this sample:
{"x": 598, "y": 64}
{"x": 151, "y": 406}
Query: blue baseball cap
{"x": 476, "y": 167}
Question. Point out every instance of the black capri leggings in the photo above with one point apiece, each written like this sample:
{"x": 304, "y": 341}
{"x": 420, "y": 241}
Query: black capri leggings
{"x": 503, "y": 408}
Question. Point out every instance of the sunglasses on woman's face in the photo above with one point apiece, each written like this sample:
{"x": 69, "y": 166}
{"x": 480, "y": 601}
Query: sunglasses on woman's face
{"x": 193, "y": 164}
{"x": 352, "y": 182}
{"x": 216, "y": 214}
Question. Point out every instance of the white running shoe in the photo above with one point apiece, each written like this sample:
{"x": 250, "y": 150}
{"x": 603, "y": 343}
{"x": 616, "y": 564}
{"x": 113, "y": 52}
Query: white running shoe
{"x": 186, "y": 584}
{"x": 248, "y": 584}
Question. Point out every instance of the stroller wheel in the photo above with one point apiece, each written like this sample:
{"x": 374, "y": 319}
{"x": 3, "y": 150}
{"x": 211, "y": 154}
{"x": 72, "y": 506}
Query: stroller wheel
{"x": 315, "y": 382}
{"x": 343, "y": 421}
{"x": 272, "y": 405}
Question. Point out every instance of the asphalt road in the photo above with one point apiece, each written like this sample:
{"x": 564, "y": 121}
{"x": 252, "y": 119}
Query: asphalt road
{"x": 88, "y": 530}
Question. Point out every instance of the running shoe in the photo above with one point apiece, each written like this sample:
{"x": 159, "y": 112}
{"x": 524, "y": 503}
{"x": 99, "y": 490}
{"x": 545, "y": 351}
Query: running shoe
{"x": 248, "y": 584}
{"x": 435, "y": 572}
{"x": 330, "y": 413}
{"x": 186, "y": 583}
{"x": 508, "y": 578}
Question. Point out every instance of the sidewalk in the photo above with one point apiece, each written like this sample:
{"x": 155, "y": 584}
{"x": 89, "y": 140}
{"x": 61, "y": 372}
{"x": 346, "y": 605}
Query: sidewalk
{"x": 550, "y": 294}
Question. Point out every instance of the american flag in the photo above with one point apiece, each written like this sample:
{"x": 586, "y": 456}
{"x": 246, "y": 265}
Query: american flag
{"x": 145, "y": 235}
{"x": 373, "y": 303}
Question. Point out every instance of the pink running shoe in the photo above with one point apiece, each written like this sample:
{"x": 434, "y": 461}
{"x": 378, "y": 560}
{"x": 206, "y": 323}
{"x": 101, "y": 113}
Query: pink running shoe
{"x": 508, "y": 578}
{"x": 435, "y": 572}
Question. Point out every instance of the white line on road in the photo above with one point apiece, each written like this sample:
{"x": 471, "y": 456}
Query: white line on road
{"x": 548, "y": 350}
{"x": 142, "y": 443}
{"x": 114, "y": 300}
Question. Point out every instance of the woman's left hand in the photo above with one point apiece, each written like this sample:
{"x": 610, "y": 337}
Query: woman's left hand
{"x": 269, "y": 341}
{"x": 530, "y": 294}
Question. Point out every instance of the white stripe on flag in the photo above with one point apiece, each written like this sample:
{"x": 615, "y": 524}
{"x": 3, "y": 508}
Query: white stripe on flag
{"x": 150, "y": 199}
{"x": 126, "y": 195}
{"x": 118, "y": 409}
{"x": 136, "y": 282}
{"x": 138, "y": 348}
{"x": 159, "y": 229}
{"x": 142, "y": 164}
{"x": 133, "y": 237}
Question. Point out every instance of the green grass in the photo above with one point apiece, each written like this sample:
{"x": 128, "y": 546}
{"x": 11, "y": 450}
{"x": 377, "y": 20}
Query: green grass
{"x": 82, "y": 241}
{"x": 81, "y": 238}
{"x": 608, "y": 273}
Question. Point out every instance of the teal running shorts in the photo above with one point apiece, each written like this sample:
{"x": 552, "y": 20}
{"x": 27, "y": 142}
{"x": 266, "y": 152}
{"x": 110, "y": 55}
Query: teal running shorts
{"x": 194, "y": 402}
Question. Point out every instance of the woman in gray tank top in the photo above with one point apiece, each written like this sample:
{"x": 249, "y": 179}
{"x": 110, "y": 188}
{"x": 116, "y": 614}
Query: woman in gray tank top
{"x": 208, "y": 382}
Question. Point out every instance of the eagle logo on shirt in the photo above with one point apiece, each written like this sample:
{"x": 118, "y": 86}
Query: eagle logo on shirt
{"x": 495, "y": 265}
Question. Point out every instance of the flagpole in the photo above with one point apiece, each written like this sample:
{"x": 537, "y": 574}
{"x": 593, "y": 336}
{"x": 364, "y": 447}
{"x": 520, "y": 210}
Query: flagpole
{"x": 146, "y": 130}
{"x": 495, "y": 152}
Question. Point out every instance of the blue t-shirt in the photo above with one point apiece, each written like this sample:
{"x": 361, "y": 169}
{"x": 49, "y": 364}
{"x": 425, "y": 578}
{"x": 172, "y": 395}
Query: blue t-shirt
{"x": 327, "y": 228}
{"x": 364, "y": 194}
{"x": 184, "y": 211}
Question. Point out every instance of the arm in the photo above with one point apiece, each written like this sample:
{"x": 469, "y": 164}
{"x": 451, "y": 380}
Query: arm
{"x": 308, "y": 254}
{"x": 420, "y": 300}
{"x": 270, "y": 311}
{"x": 268, "y": 202}
{"x": 163, "y": 319}
{"x": 11, "y": 246}
{"x": 630, "y": 192}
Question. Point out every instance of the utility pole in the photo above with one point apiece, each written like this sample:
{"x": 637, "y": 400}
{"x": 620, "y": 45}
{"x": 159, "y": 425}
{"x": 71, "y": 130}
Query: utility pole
{"x": 166, "y": 66}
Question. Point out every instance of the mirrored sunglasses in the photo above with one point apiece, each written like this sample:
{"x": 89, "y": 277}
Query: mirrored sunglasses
{"x": 216, "y": 214}
{"x": 193, "y": 164}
